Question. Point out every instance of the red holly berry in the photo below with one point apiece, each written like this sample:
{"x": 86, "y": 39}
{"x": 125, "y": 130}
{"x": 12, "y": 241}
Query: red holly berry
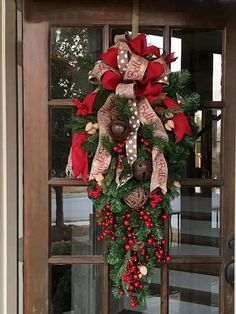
{"x": 126, "y": 223}
{"x": 167, "y": 258}
{"x": 127, "y": 247}
{"x": 134, "y": 303}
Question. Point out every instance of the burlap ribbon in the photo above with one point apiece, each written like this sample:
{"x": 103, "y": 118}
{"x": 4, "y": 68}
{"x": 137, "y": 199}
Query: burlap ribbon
{"x": 122, "y": 79}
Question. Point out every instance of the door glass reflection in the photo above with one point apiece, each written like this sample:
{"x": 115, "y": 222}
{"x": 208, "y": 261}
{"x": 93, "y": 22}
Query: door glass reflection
{"x": 196, "y": 289}
{"x": 76, "y": 289}
{"x": 200, "y": 51}
{"x": 204, "y": 161}
{"x": 73, "y": 227}
{"x": 195, "y": 222}
{"x": 60, "y": 139}
{"x": 68, "y": 44}
{"x": 151, "y": 305}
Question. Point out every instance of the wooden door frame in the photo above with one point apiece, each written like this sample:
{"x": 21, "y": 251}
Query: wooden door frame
{"x": 38, "y": 18}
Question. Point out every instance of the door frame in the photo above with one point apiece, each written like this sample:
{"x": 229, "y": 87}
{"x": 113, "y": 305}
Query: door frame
{"x": 39, "y": 16}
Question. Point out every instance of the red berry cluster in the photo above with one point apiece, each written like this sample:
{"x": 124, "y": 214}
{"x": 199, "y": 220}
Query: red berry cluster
{"x": 130, "y": 237}
{"x": 95, "y": 192}
{"x": 155, "y": 198}
{"x": 161, "y": 255}
{"x": 147, "y": 145}
{"x": 132, "y": 277}
{"x": 107, "y": 222}
{"x": 146, "y": 216}
{"x": 119, "y": 147}
{"x": 120, "y": 150}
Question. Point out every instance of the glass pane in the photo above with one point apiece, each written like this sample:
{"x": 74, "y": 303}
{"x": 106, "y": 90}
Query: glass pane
{"x": 60, "y": 140}
{"x": 68, "y": 80}
{"x": 76, "y": 289}
{"x": 154, "y": 36}
{"x": 73, "y": 226}
{"x": 200, "y": 51}
{"x": 196, "y": 289}
{"x": 205, "y": 160}
{"x": 195, "y": 222}
{"x": 151, "y": 306}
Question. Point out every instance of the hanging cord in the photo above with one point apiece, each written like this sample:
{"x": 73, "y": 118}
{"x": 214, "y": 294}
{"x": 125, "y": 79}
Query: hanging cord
{"x": 135, "y": 17}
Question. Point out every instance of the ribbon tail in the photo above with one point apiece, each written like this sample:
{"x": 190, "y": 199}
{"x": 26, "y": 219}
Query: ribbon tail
{"x": 102, "y": 158}
{"x": 131, "y": 141}
{"x": 69, "y": 170}
{"x": 160, "y": 171}
{"x": 78, "y": 159}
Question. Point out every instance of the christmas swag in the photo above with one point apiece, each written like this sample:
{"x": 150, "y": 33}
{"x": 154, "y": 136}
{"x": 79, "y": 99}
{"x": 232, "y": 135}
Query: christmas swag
{"x": 134, "y": 133}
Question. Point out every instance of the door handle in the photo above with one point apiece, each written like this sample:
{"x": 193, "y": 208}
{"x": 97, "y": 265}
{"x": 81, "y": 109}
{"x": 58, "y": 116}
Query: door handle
{"x": 230, "y": 242}
{"x": 229, "y": 269}
{"x": 229, "y": 273}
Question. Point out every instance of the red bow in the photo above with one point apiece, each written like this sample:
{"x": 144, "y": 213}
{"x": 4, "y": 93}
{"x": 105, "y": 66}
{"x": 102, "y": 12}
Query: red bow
{"x": 139, "y": 46}
{"x": 79, "y": 156}
{"x": 180, "y": 120}
{"x": 110, "y": 57}
{"x": 170, "y": 58}
{"x": 86, "y": 106}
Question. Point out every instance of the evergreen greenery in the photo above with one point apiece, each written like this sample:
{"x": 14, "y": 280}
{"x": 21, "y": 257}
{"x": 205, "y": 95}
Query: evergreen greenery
{"x": 176, "y": 155}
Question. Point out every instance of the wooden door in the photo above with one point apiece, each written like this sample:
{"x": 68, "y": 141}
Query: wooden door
{"x": 65, "y": 267}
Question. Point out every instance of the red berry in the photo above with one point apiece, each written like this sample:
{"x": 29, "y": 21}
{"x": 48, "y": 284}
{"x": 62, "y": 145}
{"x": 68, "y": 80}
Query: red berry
{"x": 121, "y": 292}
{"x": 134, "y": 303}
{"x": 126, "y": 223}
{"x": 127, "y": 247}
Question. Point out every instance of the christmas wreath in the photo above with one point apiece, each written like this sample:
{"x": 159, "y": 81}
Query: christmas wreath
{"x": 133, "y": 135}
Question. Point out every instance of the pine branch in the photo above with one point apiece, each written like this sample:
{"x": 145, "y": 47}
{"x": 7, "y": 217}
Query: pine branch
{"x": 123, "y": 108}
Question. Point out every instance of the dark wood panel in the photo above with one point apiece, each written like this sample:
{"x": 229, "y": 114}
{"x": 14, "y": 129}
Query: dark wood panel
{"x": 35, "y": 168}
{"x": 184, "y": 13}
{"x": 64, "y": 260}
{"x": 65, "y": 103}
{"x": 164, "y": 289}
{"x": 66, "y": 182}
